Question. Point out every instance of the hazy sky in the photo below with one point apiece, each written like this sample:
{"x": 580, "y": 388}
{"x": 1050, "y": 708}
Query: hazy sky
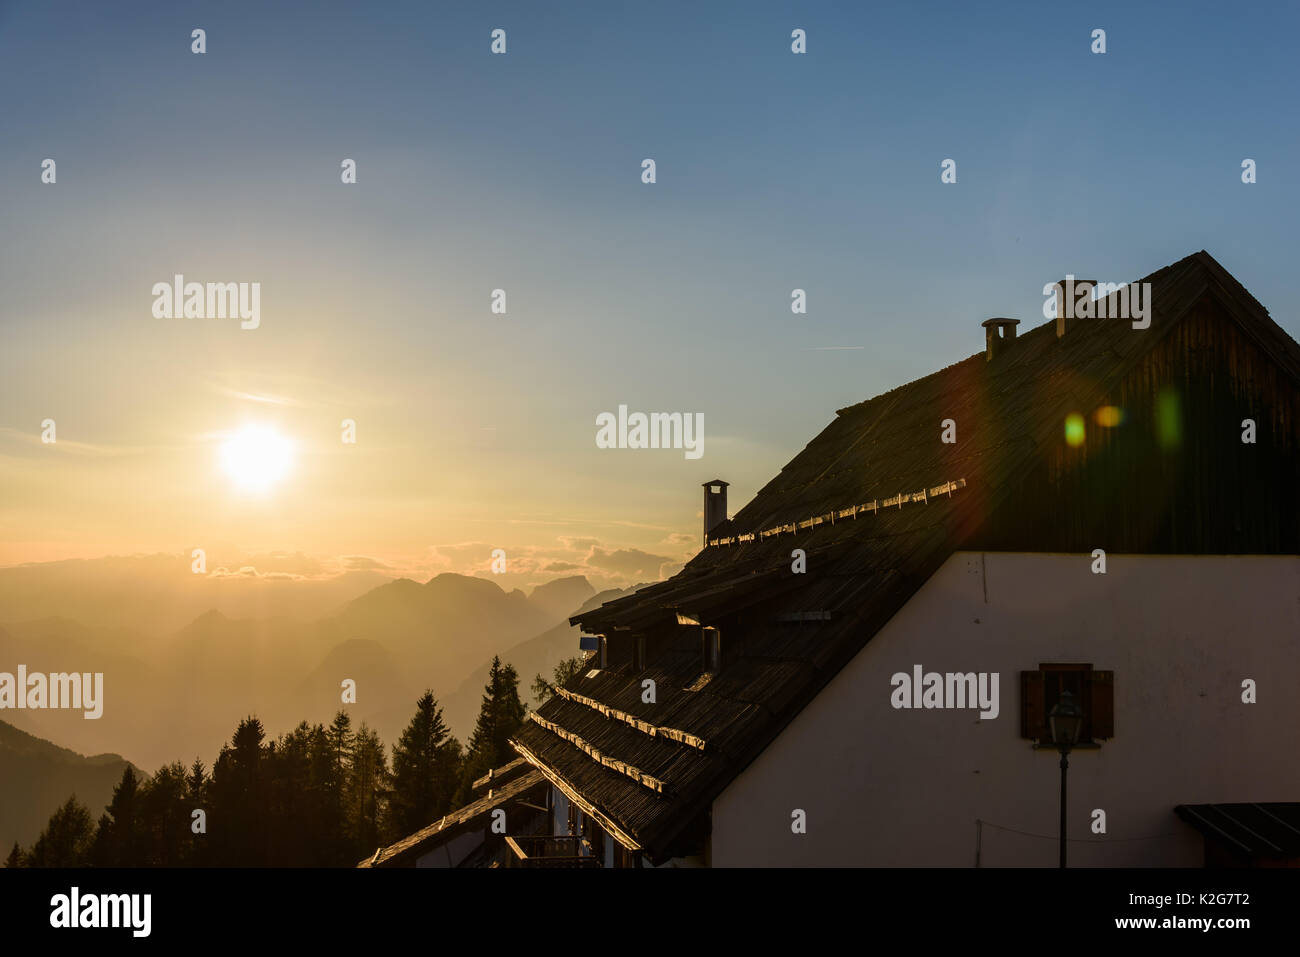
{"x": 523, "y": 172}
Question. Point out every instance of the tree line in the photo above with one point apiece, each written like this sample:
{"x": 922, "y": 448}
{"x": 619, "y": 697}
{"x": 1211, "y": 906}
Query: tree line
{"x": 319, "y": 795}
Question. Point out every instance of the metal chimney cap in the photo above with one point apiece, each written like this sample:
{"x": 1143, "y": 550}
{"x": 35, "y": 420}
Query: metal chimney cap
{"x": 714, "y": 482}
{"x": 999, "y": 322}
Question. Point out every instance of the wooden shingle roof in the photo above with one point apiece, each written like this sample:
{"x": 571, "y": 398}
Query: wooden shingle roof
{"x": 473, "y": 816}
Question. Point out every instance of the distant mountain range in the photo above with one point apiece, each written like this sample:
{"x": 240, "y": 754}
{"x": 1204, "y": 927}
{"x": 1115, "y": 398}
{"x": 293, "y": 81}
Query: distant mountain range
{"x": 39, "y": 776}
{"x": 536, "y": 656}
{"x": 178, "y": 696}
{"x": 157, "y": 594}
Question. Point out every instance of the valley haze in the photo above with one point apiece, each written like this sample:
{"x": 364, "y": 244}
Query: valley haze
{"x": 252, "y": 645}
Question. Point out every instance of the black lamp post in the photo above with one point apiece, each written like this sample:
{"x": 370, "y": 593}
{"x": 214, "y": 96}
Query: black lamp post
{"x": 1065, "y": 720}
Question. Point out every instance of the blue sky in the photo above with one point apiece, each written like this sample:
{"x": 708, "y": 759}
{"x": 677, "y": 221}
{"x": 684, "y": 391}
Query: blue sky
{"x": 522, "y": 172}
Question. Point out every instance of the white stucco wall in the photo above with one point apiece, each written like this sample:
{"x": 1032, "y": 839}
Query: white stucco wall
{"x": 892, "y": 787}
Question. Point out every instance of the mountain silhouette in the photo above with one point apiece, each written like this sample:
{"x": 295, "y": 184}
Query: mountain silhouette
{"x": 39, "y": 776}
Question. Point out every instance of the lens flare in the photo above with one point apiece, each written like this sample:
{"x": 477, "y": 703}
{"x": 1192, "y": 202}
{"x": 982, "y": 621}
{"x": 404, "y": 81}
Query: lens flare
{"x": 1109, "y": 416}
{"x": 1169, "y": 419}
{"x": 1074, "y": 429}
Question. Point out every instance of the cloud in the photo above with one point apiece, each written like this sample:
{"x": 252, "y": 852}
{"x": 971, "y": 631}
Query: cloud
{"x": 229, "y": 563}
{"x": 669, "y": 569}
{"x": 33, "y": 438}
{"x": 292, "y": 563}
{"x": 465, "y": 554}
{"x": 630, "y": 562}
{"x": 252, "y": 397}
{"x": 292, "y": 390}
{"x": 355, "y": 563}
{"x": 244, "y": 571}
{"x": 475, "y": 558}
{"x": 605, "y": 564}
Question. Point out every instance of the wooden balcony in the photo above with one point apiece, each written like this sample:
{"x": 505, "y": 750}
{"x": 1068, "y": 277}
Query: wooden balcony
{"x": 544, "y": 850}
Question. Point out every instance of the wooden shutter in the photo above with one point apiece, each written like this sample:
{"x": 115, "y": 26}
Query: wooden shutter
{"x": 1032, "y": 723}
{"x": 1101, "y": 702}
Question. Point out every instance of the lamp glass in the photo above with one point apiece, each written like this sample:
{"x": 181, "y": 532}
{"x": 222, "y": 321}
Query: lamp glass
{"x": 1066, "y": 720}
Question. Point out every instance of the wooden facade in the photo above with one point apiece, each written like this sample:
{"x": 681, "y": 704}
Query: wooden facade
{"x": 1173, "y": 474}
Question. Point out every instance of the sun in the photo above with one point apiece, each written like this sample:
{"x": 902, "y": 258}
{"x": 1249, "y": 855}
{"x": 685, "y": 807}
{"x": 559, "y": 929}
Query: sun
{"x": 256, "y": 457}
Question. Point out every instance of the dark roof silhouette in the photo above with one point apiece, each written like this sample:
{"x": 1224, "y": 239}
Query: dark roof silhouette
{"x": 878, "y": 503}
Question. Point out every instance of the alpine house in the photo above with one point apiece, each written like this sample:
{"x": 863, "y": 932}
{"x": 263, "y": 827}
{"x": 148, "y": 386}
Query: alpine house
{"x": 861, "y": 667}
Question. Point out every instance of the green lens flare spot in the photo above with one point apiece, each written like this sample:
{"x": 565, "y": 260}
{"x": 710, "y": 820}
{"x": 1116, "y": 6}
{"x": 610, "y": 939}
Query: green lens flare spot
{"x": 1169, "y": 419}
{"x": 1074, "y": 429}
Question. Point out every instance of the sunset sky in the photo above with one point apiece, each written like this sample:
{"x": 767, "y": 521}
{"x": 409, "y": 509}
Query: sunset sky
{"x": 523, "y": 172}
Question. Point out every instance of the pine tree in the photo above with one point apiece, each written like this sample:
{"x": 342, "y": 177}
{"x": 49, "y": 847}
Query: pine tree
{"x": 118, "y": 839}
{"x": 196, "y": 799}
{"x": 500, "y": 714}
{"x": 566, "y": 669}
{"x": 104, "y": 850}
{"x": 340, "y": 739}
{"x": 426, "y": 769}
{"x": 164, "y": 817}
{"x": 196, "y": 784}
{"x": 15, "y": 858}
{"x": 366, "y": 792}
{"x": 299, "y": 800}
{"x": 238, "y": 792}
{"x": 67, "y": 838}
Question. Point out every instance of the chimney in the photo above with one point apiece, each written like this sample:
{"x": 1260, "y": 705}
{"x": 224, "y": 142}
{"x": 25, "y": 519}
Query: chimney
{"x": 710, "y": 651}
{"x": 997, "y": 333}
{"x": 715, "y": 506}
{"x": 1068, "y": 292}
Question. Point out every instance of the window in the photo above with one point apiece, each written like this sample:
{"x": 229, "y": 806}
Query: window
{"x": 638, "y": 652}
{"x": 1093, "y": 691}
{"x": 603, "y": 653}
